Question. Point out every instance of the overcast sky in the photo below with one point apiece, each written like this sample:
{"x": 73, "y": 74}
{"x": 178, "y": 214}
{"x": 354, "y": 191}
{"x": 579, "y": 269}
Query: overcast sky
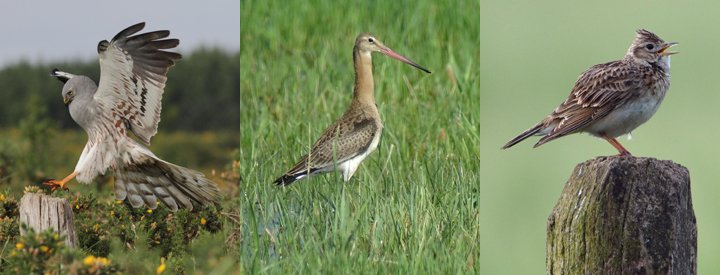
{"x": 64, "y": 30}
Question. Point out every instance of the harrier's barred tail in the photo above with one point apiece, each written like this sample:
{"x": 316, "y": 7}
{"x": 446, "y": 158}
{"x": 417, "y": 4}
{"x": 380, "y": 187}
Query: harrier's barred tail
{"x": 523, "y": 136}
{"x": 148, "y": 179}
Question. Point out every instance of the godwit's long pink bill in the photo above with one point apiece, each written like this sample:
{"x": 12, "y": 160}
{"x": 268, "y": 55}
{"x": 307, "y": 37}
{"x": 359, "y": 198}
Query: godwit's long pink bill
{"x": 387, "y": 51}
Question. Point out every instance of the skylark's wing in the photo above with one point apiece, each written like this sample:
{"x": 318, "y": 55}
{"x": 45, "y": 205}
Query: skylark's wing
{"x": 133, "y": 75}
{"x": 597, "y": 92}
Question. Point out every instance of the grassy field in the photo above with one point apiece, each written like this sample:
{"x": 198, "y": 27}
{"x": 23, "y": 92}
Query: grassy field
{"x": 413, "y": 205}
{"x": 528, "y": 66}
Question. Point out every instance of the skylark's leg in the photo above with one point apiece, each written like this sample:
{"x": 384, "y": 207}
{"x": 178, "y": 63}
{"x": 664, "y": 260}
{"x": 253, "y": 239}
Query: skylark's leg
{"x": 54, "y": 184}
{"x": 623, "y": 152}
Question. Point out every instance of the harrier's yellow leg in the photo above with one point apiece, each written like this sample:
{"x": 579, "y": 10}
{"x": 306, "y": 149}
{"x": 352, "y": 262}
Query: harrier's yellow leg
{"x": 54, "y": 184}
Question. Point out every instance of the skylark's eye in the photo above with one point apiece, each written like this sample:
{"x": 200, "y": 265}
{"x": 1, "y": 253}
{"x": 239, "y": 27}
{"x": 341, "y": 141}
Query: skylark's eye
{"x": 371, "y": 40}
{"x": 650, "y": 46}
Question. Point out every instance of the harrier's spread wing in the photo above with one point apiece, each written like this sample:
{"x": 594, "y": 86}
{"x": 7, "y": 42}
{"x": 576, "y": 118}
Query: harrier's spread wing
{"x": 133, "y": 75}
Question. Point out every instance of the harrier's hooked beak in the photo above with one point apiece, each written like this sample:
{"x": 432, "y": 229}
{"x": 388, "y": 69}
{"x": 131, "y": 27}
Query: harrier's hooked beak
{"x": 60, "y": 75}
{"x": 67, "y": 100}
{"x": 663, "y": 51}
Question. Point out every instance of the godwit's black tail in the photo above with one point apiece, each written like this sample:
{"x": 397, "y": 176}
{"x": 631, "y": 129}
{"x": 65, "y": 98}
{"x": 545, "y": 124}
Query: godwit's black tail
{"x": 294, "y": 175}
{"x": 286, "y": 180}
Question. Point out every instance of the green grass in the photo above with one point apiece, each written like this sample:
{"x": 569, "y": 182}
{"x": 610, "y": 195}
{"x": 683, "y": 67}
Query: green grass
{"x": 528, "y": 67}
{"x": 413, "y": 204}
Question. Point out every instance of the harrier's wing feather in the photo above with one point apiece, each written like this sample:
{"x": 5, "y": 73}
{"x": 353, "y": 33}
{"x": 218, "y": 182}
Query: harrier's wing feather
{"x": 133, "y": 75}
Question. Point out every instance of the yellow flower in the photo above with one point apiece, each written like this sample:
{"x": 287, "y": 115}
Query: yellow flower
{"x": 112, "y": 213}
{"x": 103, "y": 261}
{"x": 149, "y": 211}
{"x": 44, "y": 248}
{"x": 118, "y": 201}
{"x": 203, "y": 221}
{"x": 19, "y": 246}
{"x": 160, "y": 269}
{"x": 89, "y": 260}
{"x": 2, "y": 197}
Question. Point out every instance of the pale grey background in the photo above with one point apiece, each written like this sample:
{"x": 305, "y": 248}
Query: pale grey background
{"x": 49, "y": 31}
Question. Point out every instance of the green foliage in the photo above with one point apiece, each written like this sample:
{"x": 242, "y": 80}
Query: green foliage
{"x": 413, "y": 205}
{"x": 97, "y": 224}
{"x": 36, "y": 131}
{"x": 9, "y": 228}
{"x": 9, "y": 154}
{"x": 113, "y": 236}
{"x": 46, "y": 253}
{"x": 201, "y": 93}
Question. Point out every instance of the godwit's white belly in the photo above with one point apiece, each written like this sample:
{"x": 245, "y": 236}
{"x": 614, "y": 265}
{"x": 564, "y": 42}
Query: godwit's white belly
{"x": 350, "y": 166}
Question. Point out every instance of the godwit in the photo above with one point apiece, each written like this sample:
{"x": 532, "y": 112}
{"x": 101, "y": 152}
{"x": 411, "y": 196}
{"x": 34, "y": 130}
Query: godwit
{"x": 348, "y": 141}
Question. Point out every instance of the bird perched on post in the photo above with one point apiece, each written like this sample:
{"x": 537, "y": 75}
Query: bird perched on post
{"x": 133, "y": 75}
{"x": 612, "y": 99}
{"x": 348, "y": 141}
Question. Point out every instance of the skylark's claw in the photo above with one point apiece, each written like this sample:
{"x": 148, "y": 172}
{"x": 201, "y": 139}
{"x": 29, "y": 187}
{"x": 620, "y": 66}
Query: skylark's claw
{"x": 54, "y": 184}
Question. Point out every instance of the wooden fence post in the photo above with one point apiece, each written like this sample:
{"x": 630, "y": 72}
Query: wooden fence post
{"x": 40, "y": 212}
{"x": 623, "y": 215}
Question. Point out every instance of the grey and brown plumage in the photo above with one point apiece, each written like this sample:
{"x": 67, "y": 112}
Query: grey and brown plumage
{"x": 350, "y": 139}
{"x": 611, "y": 99}
{"x": 133, "y": 75}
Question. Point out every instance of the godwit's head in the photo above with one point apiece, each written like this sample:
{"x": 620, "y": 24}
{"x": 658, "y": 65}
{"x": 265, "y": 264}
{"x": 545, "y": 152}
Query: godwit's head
{"x": 367, "y": 43}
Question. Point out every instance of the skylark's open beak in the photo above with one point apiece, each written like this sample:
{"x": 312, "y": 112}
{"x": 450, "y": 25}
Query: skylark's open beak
{"x": 665, "y": 47}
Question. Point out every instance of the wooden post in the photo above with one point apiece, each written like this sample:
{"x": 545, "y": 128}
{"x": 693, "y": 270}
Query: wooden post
{"x": 41, "y": 212}
{"x": 624, "y": 215}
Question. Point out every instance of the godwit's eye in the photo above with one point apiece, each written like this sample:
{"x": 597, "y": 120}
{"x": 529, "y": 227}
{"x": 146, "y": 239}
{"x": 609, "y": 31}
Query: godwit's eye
{"x": 650, "y": 46}
{"x": 371, "y": 40}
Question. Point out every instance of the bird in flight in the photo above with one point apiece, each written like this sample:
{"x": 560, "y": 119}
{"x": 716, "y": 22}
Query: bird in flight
{"x": 128, "y": 99}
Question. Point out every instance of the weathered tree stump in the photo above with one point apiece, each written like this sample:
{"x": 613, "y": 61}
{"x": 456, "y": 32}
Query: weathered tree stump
{"x": 41, "y": 212}
{"x": 623, "y": 215}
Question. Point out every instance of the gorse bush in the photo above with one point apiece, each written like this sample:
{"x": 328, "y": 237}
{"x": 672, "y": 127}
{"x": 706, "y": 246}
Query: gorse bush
{"x": 104, "y": 230}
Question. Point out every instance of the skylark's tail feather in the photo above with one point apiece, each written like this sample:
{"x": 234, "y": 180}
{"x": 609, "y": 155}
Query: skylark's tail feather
{"x": 529, "y": 132}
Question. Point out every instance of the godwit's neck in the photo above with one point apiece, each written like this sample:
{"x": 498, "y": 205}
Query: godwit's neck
{"x": 364, "y": 86}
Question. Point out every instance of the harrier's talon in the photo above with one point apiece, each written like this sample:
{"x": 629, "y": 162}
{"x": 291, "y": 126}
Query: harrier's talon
{"x": 54, "y": 184}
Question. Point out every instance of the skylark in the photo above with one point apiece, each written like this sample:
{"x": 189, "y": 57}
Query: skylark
{"x": 612, "y": 99}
